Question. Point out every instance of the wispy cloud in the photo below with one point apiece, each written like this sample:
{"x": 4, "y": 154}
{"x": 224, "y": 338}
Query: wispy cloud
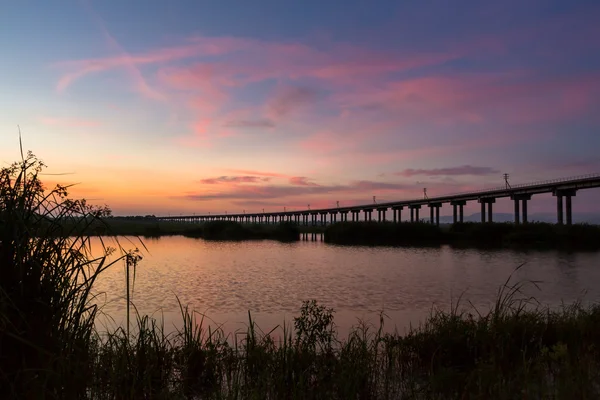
{"x": 301, "y": 181}
{"x": 124, "y": 59}
{"x": 234, "y": 179}
{"x": 280, "y": 191}
{"x": 450, "y": 171}
{"x": 258, "y": 173}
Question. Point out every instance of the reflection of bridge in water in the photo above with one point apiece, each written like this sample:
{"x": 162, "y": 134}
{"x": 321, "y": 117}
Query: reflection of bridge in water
{"x": 563, "y": 189}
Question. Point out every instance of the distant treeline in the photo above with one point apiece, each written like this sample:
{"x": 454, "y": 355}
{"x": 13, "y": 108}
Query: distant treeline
{"x": 536, "y": 235}
{"x": 501, "y": 235}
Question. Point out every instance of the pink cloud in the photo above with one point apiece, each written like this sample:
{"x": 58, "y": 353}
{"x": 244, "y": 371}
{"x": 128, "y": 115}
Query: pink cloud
{"x": 301, "y": 181}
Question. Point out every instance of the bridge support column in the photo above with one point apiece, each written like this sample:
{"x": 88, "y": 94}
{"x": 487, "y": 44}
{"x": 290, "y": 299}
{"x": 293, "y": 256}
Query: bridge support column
{"x": 381, "y": 214}
{"x": 434, "y": 213}
{"x": 368, "y": 214}
{"x": 489, "y": 201}
{"x": 414, "y": 213}
{"x": 460, "y": 204}
{"x": 343, "y": 216}
{"x": 523, "y": 198}
{"x": 567, "y": 194}
{"x": 482, "y": 212}
{"x": 397, "y": 214}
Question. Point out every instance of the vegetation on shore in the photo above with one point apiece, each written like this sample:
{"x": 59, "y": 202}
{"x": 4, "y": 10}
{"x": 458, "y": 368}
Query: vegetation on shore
{"x": 213, "y": 230}
{"x": 50, "y": 348}
{"x": 535, "y": 235}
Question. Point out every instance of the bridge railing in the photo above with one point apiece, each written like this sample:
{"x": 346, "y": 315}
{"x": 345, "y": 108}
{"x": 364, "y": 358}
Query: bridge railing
{"x": 521, "y": 185}
{"x": 474, "y": 192}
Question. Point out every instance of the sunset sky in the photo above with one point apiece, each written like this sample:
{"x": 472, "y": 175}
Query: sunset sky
{"x": 185, "y": 106}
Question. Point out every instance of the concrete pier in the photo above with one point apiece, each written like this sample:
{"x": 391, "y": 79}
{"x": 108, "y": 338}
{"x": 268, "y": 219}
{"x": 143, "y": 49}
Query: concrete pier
{"x": 521, "y": 200}
{"x": 381, "y": 213}
{"x": 568, "y": 194}
{"x": 434, "y": 213}
{"x": 414, "y": 212}
{"x": 344, "y": 216}
{"x": 333, "y": 217}
{"x": 490, "y": 215}
{"x": 458, "y": 216}
{"x": 397, "y": 213}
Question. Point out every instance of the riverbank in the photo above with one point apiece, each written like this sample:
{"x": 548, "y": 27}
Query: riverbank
{"x": 493, "y": 235}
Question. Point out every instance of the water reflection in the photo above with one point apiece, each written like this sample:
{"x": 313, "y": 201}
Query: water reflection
{"x": 271, "y": 279}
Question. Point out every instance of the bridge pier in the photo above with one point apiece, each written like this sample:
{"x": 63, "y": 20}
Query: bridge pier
{"x": 414, "y": 213}
{"x": 333, "y": 217}
{"x": 521, "y": 199}
{"x": 489, "y": 201}
{"x": 397, "y": 210}
{"x": 381, "y": 214}
{"x": 567, "y": 194}
{"x": 343, "y": 216}
{"x": 368, "y": 214}
{"x": 460, "y": 205}
{"x": 434, "y": 215}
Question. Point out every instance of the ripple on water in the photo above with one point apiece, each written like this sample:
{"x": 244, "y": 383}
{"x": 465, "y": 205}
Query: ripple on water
{"x": 269, "y": 278}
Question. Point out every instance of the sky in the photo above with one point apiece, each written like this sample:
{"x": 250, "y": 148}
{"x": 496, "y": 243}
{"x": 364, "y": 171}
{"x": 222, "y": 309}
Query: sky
{"x": 188, "y": 106}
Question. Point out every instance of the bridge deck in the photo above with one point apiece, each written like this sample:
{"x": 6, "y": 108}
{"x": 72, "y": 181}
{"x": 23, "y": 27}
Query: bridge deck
{"x": 550, "y": 186}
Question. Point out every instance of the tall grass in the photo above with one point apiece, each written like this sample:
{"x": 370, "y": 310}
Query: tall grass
{"x": 49, "y": 348}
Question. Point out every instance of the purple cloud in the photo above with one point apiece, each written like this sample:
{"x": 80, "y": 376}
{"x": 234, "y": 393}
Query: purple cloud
{"x": 250, "y": 123}
{"x": 462, "y": 170}
{"x": 279, "y": 191}
{"x": 291, "y": 98}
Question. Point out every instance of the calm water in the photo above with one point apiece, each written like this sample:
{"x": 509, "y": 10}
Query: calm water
{"x": 224, "y": 280}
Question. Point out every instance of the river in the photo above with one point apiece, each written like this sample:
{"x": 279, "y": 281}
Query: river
{"x": 225, "y": 280}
